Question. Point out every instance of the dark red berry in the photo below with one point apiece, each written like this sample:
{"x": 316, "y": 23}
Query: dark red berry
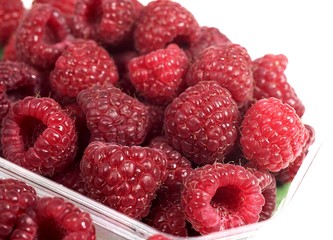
{"x": 15, "y": 198}
{"x": 9, "y": 50}
{"x": 109, "y": 22}
{"x": 164, "y": 22}
{"x": 221, "y": 196}
{"x": 159, "y": 75}
{"x": 122, "y": 177}
{"x": 11, "y": 13}
{"x": 42, "y": 36}
{"x": 229, "y": 64}
{"x": 270, "y": 81}
{"x": 80, "y": 66}
{"x": 38, "y": 135}
{"x": 202, "y": 122}
{"x": 114, "y": 116}
{"x": 272, "y": 134}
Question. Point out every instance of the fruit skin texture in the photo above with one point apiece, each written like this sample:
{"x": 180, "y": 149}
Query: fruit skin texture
{"x": 122, "y": 177}
{"x": 109, "y": 22}
{"x": 55, "y": 218}
{"x": 207, "y": 112}
{"x": 272, "y": 134}
{"x": 229, "y": 64}
{"x": 11, "y": 13}
{"x": 163, "y": 22}
{"x": 114, "y": 116}
{"x": 15, "y": 197}
{"x": 271, "y": 81}
{"x": 38, "y": 135}
{"x": 159, "y": 75}
{"x": 221, "y": 196}
{"x": 42, "y": 36}
{"x": 80, "y": 66}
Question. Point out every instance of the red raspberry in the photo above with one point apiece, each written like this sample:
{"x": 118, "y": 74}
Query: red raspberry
{"x": 164, "y": 22}
{"x": 159, "y": 75}
{"x": 178, "y": 167}
{"x": 202, "y": 122}
{"x": 210, "y": 36}
{"x": 229, "y": 65}
{"x": 267, "y": 184}
{"x": 288, "y": 174}
{"x": 156, "y": 118}
{"x": 272, "y": 134}
{"x": 114, "y": 116}
{"x": 38, "y": 135}
{"x": 42, "y": 36}
{"x": 81, "y": 65}
{"x": 271, "y": 81}
{"x": 122, "y": 177}
{"x": 158, "y": 237}
{"x": 4, "y": 102}
{"x": 55, "y": 218}
{"x": 15, "y": 197}
{"x": 11, "y": 13}
{"x": 221, "y": 196}
{"x": 167, "y": 215}
{"x": 107, "y": 21}
{"x": 9, "y": 50}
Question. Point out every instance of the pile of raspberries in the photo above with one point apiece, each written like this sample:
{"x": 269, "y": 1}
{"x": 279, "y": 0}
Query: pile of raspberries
{"x": 141, "y": 108}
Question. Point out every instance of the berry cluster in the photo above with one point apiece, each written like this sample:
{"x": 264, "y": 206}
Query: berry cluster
{"x": 25, "y": 215}
{"x": 146, "y": 111}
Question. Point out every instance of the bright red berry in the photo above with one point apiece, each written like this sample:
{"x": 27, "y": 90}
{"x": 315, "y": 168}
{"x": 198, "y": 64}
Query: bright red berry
{"x": 114, "y": 116}
{"x": 270, "y": 81}
{"x": 11, "y": 13}
{"x": 164, "y": 22}
{"x": 221, "y": 196}
{"x": 109, "y": 22}
{"x": 229, "y": 64}
{"x": 15, "y": 198}
{"x": 42, "y": 36}
{"x": 202, "y": 122}
{"x": 122, "y": 177}
{"x": 80, "y": 66}
{"x": 66, "y": 7}
{"x": 272, "y": 134}
{"x": 38, "y": 135}
{"x": 55, "y": 218}
{"x": 159, "y": 75}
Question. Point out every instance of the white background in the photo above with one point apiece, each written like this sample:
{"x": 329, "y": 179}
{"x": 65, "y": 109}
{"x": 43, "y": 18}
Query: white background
{"x": 302, "y": 30}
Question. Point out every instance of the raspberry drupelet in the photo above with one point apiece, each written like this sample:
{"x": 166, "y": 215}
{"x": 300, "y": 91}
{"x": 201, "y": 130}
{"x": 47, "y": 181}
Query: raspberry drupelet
{"x": 202, "y": 123}
{"x": 114, "y": 116}
{"x": 122, "y": 177}
{"x": 38, "y": 135}
{"x": 42, "y": 36}
{"x": 164, "y": 22}
{"x": 272, "y": 134}
{"x": 80, "y": 66}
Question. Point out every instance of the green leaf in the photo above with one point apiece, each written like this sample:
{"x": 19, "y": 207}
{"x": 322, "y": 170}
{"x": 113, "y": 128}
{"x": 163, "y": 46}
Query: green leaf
{"x": 0, "y": 53}
{"x": 281, "y": 193}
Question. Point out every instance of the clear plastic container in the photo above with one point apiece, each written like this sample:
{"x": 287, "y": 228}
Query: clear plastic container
{"x": 111, "y": 224}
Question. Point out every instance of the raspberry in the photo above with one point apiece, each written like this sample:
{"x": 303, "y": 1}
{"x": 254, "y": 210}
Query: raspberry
{"x": 4, "y": 102}
{"x": 15, "y": 197}
{"x": 81, "y": 65}
{"x": 66, "y": 7}
{"x": 11, "y": 13}
{"x": 122, "y": 177}
{"x": 164, "y": 22}
{"x": 271, "y": 81}
{"x": 42, "y": 36}
{"x": 272, "y": 134}
{"x": 159, "y": 75}
{"x": 109, "y": 22}
{"x": 114, "y": 116}
{"x": 158, "y": 237}
{"x": 55, "y": 218}
{"x": 288, "y": 174}
{"x": 156, "y": 118}
{"x": 210, "y": 36}
{"x": 221, "y": 196}
{"x": 178, "y": 167}
{"x": 9, "y": 50}
{"x": 229, "y": 65}
{"x": 38, "y": 135}
{"x": 206, "y": 112}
